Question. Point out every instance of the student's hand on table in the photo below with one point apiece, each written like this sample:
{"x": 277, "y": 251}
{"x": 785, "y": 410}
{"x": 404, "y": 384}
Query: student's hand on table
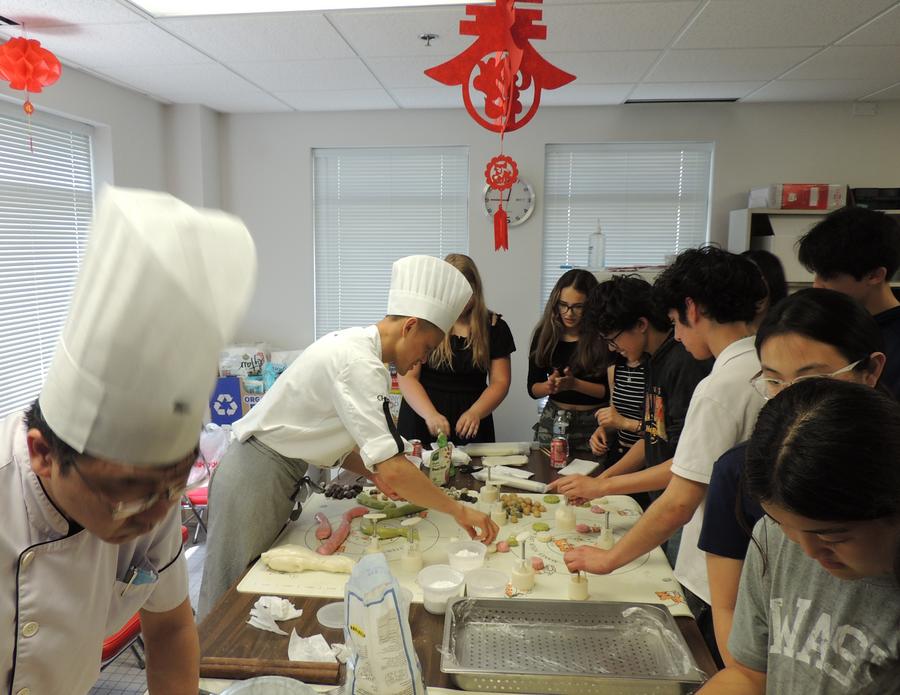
{"x": 566, "y": 381}
{"x": 598, "y": 442}
{"x": 467, "y": 425}
{"x": 477, "y": 524}
{"x": 578, "y": 486}
{"x": 437, "y": 423}
{"x": 585, "y": 558}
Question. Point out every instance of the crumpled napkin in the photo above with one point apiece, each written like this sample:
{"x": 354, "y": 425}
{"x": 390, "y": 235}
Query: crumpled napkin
{"x": 268, "y": 609}
{"x": 313, "y": 648}
{"x": 458, "y": 457}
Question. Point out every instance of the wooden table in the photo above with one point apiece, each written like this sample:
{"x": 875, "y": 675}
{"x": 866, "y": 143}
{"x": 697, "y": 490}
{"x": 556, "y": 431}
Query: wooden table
{"x": 225, "y": 634}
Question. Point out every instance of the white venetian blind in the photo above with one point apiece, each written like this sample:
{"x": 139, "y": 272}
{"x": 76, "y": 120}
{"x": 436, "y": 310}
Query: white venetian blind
{"x": 46, "y": 201}
{"x": 373, "y": 206}
{"x": 651, "y": 199}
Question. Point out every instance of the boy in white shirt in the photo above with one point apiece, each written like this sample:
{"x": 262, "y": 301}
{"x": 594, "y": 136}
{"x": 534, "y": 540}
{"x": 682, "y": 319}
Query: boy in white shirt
{"x": 711, "y": 296}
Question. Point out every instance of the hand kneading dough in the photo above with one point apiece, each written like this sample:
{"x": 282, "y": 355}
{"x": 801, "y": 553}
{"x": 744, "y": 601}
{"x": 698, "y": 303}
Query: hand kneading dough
{"x": 296, "y": 558}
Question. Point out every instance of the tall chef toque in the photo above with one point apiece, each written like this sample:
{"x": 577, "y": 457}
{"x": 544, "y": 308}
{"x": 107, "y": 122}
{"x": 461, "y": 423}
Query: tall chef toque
{"x": 428, "y": 288}
{"x": 161, "y": 290}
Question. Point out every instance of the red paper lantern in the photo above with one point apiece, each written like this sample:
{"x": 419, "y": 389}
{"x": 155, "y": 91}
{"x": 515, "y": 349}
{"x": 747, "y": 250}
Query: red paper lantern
{"x": 28, "y": 66}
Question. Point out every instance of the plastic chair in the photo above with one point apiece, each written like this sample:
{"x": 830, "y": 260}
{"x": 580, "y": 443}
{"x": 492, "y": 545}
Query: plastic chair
{"x": 197, "y": 501}
{"x": 129, "y": 635}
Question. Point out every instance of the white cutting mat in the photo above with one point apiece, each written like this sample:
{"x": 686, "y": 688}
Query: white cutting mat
{"x": 649, "y": 579}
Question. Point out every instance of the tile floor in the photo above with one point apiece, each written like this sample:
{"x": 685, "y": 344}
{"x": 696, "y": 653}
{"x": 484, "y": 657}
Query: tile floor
{"x": 123, "y": 676}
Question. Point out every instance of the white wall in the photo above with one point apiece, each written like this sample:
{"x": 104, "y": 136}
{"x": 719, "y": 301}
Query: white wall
{"x": 266, "y": 170}
{"x": 130, "y": 129}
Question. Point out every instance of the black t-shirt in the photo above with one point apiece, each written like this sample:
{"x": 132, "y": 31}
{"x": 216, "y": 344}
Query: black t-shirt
{"x": 672, "y": 375}
{"x": 722, "y": 533}
{"x": 560, "y": 359}
{"x": 462, "y": 374}
{"x": 889, "y": 323}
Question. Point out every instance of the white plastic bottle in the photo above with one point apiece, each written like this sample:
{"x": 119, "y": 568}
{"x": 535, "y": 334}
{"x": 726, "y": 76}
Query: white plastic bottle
{"x": 597, "y": 250}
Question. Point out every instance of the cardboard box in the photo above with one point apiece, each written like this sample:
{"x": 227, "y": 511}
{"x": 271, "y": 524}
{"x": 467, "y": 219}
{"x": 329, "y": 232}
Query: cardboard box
{"x": 799, "y": 196}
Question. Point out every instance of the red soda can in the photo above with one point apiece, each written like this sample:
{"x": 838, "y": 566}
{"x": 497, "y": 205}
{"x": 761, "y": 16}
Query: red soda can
{"x": 559, "y": 452}
{"x": 416, "y": 447}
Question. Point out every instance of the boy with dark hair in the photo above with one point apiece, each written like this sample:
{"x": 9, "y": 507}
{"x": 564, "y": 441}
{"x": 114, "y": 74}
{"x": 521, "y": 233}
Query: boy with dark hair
{"x": 711, "y": 296}
{"x": 857, "y": 251}
{"x": 623, "y": 311}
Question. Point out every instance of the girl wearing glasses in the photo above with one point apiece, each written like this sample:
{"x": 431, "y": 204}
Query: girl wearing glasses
{"x": 813, "y": 334}
{"x": 465, "y": 379}
{"x": 819, "y": 599}
{"x": 566, "y": 364}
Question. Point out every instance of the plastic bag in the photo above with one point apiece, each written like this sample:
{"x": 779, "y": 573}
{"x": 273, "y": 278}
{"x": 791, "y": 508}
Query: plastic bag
{"x": 214, "y": 442}
{"x": 243, "y": 360}
{"x": 382, "y": 658}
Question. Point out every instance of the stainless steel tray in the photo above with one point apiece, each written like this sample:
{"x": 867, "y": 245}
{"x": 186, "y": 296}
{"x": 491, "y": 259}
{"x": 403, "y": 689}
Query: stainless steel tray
{"x": 566, "y": 647}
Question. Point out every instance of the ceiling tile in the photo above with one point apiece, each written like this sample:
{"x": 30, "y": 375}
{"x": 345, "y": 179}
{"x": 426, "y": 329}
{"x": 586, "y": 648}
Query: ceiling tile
{"x": 407, "y": 71}
{"x": 814, "y": 90}
{"x": 99, "y": 45}
{"x": 883, "y": 31}
{"x": 851, "y": 62}
{"x": 284, "y": 36}
{"x": 395, "y": 32}
{"x": 762, "y": 23}
{"x": 296, "y": 75}
{"x": 586, "y": 95}
{"x": 44, "y": 13}
{"x": 726, "y": 65}
{"x": 604, "y": 67}
{"x": 428, "y": 98}
{"x": 339, "y": 100}
{"x": 695, "y": 90}
{"x": 604, "y": 27}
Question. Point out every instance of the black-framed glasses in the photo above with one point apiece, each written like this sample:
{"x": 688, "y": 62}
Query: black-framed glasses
{"x": 612, "y": 341}
{"x": 769, "y": 387}
{"x": 565, "y": 308}
{"x": 124, "y": 508}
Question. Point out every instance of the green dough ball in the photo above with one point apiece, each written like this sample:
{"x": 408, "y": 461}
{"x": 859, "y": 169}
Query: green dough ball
{"x": 540, "y": 526}
{"x": 551, "y": 499}
{"x": 512, "y": 541}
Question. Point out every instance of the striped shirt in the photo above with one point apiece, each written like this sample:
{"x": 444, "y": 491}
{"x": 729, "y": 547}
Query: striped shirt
{"x": 628, "y": 398}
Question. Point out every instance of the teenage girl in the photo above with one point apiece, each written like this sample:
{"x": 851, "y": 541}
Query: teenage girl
{"x": 465, "y": 378}
{"x": 773, "y": 275}
{"x": 566, "y": 364}
{"x": 814, "y": 333}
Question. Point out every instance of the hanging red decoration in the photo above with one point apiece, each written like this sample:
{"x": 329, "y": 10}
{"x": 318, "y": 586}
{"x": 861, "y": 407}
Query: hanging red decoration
{"x": 501, "y": 173}
{"x": 508, "y": 65}
{"x": 509, "y": 68}
{"x": 26, "y": 65}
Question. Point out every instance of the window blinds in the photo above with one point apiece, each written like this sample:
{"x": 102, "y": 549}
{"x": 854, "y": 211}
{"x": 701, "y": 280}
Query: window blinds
{"x": 651, "y": 200}
{"x": 373, "y": 206}
{"x": 46, "y": 202}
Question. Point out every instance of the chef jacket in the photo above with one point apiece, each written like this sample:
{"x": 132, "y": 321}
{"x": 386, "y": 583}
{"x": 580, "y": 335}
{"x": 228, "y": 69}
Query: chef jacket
{"x": 63, "y": 594}
{"x": 333, "y": 396}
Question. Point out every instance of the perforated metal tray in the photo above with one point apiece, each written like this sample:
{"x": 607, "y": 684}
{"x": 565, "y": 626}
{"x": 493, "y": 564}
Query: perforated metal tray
{"x": 566, "y": 647}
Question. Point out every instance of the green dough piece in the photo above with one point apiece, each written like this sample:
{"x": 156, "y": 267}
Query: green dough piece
{"x": 551, "y": 499}
{"x": 540, "y": 526}
{"x": 389, "y": 509}
{"x": 512, "y": 541}
{"x": 386, "y": 532}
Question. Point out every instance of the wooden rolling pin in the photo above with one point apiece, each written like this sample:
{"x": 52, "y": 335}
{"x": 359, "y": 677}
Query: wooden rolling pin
{"x": 239, "y": 669}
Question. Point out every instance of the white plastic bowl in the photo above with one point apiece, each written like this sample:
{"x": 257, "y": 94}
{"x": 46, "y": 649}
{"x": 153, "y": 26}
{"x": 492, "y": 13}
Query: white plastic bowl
{"x": 465, "y": 556}
{"x": 486, "y": 583}
{"x": 269, "y": 685}
{"x": 439, "y": 584}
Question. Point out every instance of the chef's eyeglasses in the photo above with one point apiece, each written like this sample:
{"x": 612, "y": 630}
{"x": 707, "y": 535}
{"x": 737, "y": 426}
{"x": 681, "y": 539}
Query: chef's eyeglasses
{"x": 612, "y": 341}
{"x": 125, "y": 508}
{"x": 769, "y": 387}
{"x": 565, "y": 308}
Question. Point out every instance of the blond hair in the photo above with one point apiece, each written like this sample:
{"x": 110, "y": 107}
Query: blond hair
{"x": 477, "y": 317}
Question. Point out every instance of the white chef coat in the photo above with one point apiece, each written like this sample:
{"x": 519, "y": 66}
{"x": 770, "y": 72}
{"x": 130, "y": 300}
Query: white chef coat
{"x": 722, "y": 413}
{"x": 62, "y": 595}
{"x": 333, "y": 397}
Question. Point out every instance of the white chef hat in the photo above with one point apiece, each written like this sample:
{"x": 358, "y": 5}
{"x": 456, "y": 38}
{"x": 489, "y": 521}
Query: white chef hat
{"x": 428, "y": 288}
{"x": 161, "y": 290}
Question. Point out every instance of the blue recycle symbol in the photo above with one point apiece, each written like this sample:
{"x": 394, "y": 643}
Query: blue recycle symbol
{"x": 220, "y": 405}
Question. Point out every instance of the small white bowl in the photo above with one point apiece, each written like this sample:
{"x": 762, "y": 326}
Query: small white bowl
{"x": 466, "y": 556}
{"x": 439, "y": 584}
{"x": 486, "y": 583}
